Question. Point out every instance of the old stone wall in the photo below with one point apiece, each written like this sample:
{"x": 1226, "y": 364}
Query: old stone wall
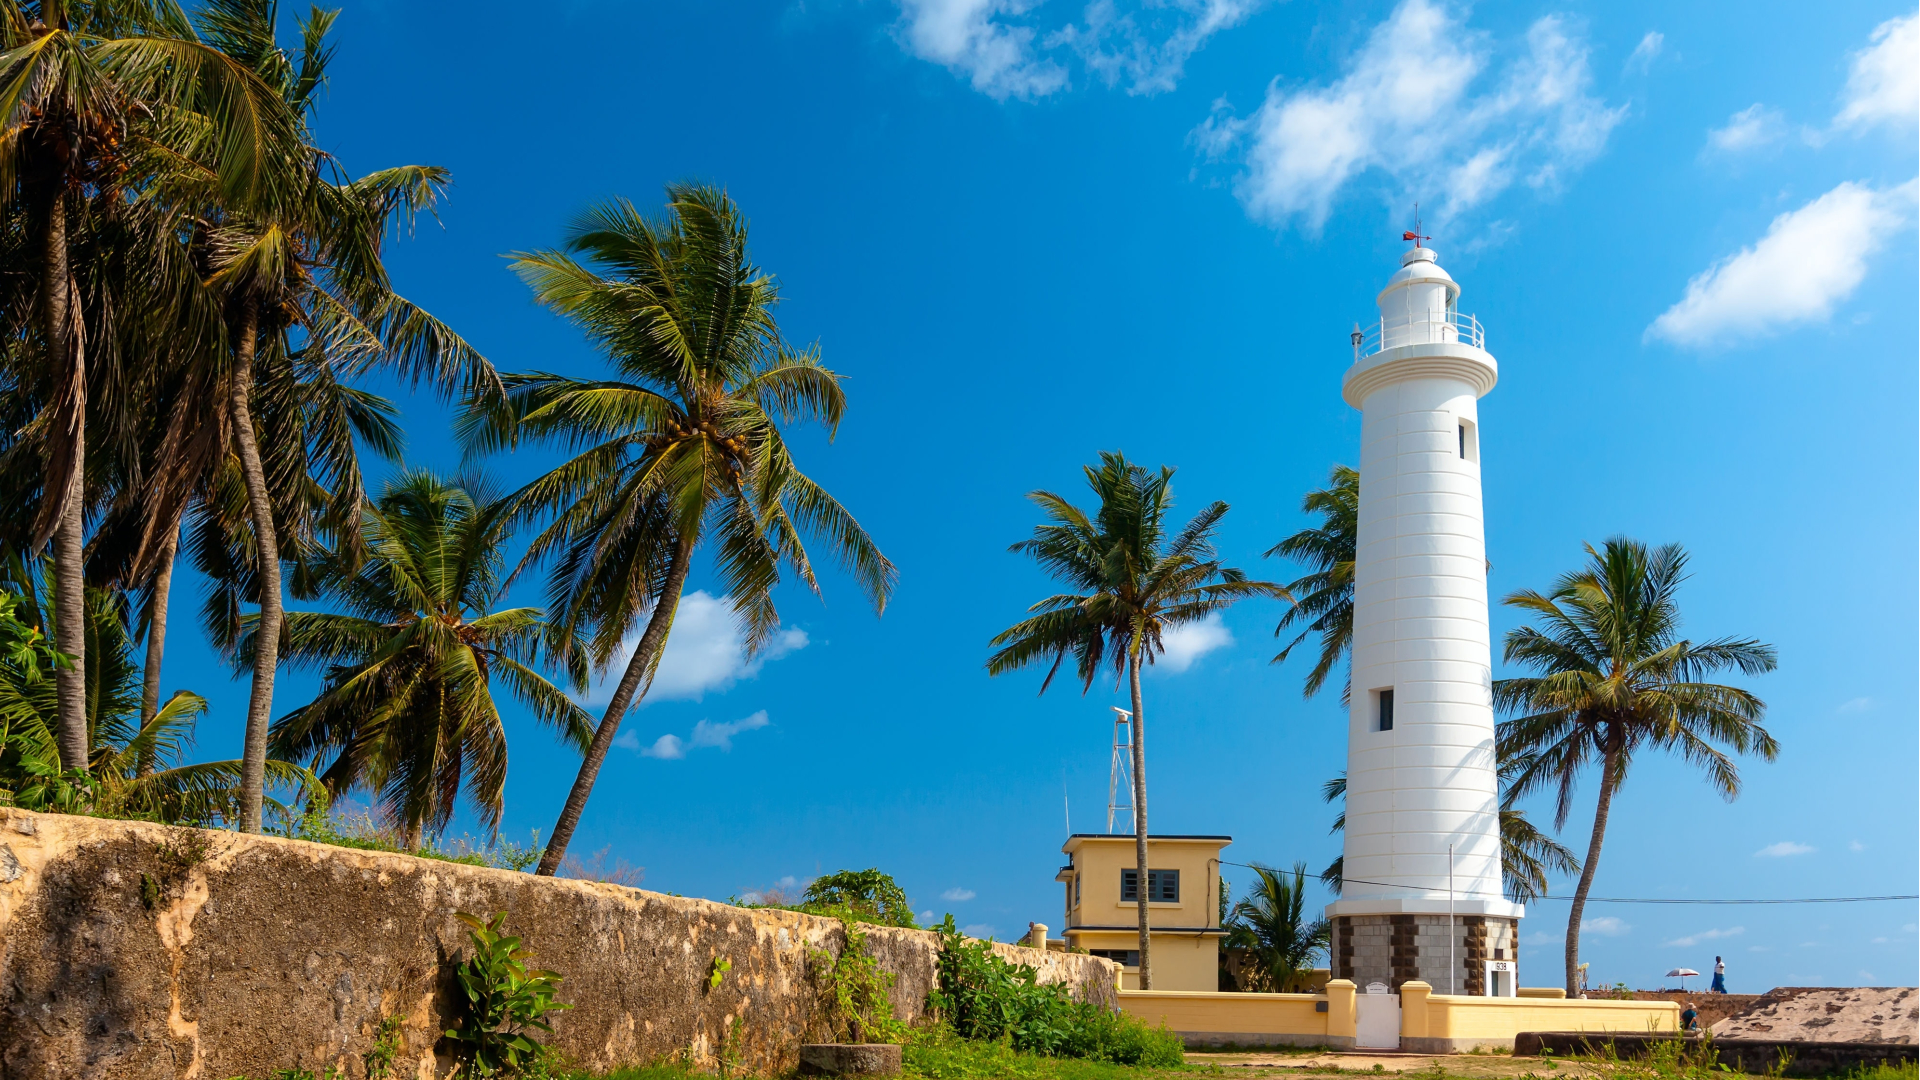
{"x": 1394, "y": 949}
{"x": 137, "y": 950}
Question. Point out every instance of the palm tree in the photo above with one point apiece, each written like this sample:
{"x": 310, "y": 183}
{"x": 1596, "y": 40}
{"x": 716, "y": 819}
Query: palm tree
{"x": 301, "y": 287}
{"x": 1527, "y": 855}
{"x": 86, "y": 92}
{"x": 1134, "y": 581}
{"x": 1616, "y": 678}
{"x": 412, "y": 662}
{"x": 134, "y": 763}
{"x": 1270, "y": 923}
{"x": 683, "y": 447}
{"x": 1325, "y": 593}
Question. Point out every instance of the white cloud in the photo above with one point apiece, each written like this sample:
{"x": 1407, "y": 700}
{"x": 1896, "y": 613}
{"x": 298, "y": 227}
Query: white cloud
{"x": 957, "y": 895}
{"x": 666, "y": 748}
{"x": 1906, "y": 929}
{"x": 1002, "y": 50}
{"x": 1645, "y": 53}
{"x": 971, "y": 38}
{"x": 706, "y": 734}
{"x": 1783, "y": 849}
{"x": 1605, "y": 925}
{"x": 1411, "y": 106}
{"x": 1855, "y": 845}
{"x": 1542, "y": 937}
{"x": 1855, "y": 705}
{"x": 1707, "y": 935}
{"x": 1811, "y": 259}
{"x": 1751, "y": 128}
{"x": 1148, "y": 47}
{"x": 706, "y": 650}
{"x": 926, "y": 916}
{"x": 1883, "y": 86}
{"x": 1189, "y": 642}
{"x": 978, "y": 930}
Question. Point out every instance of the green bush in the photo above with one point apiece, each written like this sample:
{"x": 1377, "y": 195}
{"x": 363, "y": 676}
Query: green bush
{"x": 505, "y": 1002}
{"x": 859, "y": 895}
{"x": 981, "y": 996}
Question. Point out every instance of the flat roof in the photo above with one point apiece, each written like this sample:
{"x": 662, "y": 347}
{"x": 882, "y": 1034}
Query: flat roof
{"x": 1076, "y": 839}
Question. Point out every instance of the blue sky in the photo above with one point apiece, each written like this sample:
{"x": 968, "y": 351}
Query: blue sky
{"x": 1027, "y": 232}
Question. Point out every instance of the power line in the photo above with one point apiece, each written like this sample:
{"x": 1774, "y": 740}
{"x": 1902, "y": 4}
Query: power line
{"x": 1634, "y": 899}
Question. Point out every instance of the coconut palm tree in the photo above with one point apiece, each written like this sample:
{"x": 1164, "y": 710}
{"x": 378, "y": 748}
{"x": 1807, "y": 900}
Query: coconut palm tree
{"x": 413, "y": 663}
{"x": 301, "y": 287}
{"x": 134, "y": 763}
{"x": 1132, "y": 580}
{"x": 1615, "y": 678}
{"x": 1270, "y": 923}
{"x": 683, "y": 447}
{"x": 1325, "y": 594}
{"x": 87, "y": 93}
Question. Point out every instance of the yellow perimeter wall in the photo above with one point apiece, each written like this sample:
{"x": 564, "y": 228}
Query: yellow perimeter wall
{"x": 1429, "y": 1022}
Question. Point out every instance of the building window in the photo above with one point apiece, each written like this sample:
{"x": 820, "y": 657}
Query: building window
{"x": 1125, "y": 957}
{"x": 1385, "y": 698}
{"x": 1468, "y": 450}
{"x": 1076, "y": 890}
{"x": 1163, "y": 886}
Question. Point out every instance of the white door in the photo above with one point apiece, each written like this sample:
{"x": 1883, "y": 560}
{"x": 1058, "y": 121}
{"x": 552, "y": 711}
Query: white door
{"x": 1376, "y": 1020}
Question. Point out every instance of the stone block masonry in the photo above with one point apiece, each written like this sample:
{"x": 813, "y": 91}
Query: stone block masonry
{"x": 131, "y": 950}
{"x": 1396, "y": 949}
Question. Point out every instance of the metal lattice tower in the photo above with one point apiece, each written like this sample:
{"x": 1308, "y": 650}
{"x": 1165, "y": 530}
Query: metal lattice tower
{"x": 1120, "y": 775}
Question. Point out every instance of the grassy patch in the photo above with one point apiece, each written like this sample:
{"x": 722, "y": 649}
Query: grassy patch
{"x": 948, "y": 1057}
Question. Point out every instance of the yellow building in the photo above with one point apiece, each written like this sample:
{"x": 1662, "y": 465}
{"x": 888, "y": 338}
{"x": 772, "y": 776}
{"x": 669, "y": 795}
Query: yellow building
{"x": 1183, "y": 905}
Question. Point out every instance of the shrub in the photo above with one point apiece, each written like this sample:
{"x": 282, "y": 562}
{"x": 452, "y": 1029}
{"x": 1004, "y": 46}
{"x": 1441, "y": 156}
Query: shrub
{"x": 982, "y": 996}
{"x": 859, "y": 895}
{"x": 505, "y": 1001}
{"x": 856, "y": 993}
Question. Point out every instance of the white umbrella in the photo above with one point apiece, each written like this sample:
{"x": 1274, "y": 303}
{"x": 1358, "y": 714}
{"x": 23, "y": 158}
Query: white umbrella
{"x": 1682, "y": 973}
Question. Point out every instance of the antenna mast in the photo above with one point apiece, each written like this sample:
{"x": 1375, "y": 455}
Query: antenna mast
{"x": 1120, "y": 774}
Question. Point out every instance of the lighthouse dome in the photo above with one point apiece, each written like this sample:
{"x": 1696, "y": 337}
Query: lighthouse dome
{"x": 1421, "y": 266}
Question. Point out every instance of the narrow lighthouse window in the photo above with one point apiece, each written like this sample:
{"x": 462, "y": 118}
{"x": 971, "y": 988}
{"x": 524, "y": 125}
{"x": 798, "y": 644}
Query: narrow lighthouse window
{"x": 1386, "y": 709}
{"x": 1468, "y": 451}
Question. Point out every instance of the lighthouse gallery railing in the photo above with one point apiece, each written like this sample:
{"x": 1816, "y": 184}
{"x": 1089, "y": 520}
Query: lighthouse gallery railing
{"x": 1420, "y": 328}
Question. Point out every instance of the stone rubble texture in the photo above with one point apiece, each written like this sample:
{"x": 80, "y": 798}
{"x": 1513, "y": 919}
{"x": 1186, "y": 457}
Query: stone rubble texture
{"x": 131, "y": 949}
{"x": 1874, "y": 1014}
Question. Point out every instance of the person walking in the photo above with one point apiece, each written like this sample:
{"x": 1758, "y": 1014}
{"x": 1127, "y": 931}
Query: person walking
{"x": 1719, "y": 975}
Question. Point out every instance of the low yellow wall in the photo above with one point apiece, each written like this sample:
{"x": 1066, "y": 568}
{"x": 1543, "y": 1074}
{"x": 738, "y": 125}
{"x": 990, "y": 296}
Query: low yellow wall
{"x": 1429, "y": 1023}
{"x": 1208, "y": 1018}
{"x": 1543, "y": 991}
{"x": 1456, "y": 1024}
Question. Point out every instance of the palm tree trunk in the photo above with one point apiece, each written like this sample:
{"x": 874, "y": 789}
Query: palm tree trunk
{"x": 1600, "y": 811}
{"x": 266, "y": 638}
{"x": 156, "y": 644}
{"x": 1141, "y": 880}
{"x": 651, "y": 642}
{"x": 69, "y": 527}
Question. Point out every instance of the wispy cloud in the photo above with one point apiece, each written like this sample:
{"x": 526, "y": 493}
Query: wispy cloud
{"x": 706, "y": 734}
{"x": 957, "y": 894}
{"x": 1752, "y": 128}
{"x": 1004, "y": 49}
{"x": 1605, "y": 925}
{"x": 1782, "y": 850}
{"x": 1644, "y": 54}
{"x": 1810, "y": 260}
{"x": 1430, "y": 105}
{"x": 706, "y": 651}
{"x": 1855, "y": 705}
{"x": 1707, "y": 935}
{"x": 1855, "y": 845}
{"x": 1883, "y": 85}
{"x": 978, "y": 930}
{"x": 1189, "y": 642}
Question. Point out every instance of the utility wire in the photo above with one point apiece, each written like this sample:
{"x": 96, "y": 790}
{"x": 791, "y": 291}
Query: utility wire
{"x": 1631, "y": 899}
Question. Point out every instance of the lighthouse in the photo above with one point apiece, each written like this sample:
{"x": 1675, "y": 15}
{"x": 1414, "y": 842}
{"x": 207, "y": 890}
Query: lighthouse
{"x": 1422, "y": 895}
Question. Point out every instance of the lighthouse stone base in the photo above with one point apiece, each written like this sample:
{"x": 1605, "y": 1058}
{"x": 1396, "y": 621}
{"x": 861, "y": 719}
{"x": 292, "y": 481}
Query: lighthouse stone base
{"x": 1394, "y": 949}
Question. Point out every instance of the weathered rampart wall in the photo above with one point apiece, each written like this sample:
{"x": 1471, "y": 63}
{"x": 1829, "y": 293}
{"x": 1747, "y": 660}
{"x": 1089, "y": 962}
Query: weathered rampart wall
{"x": 137, "y": 950}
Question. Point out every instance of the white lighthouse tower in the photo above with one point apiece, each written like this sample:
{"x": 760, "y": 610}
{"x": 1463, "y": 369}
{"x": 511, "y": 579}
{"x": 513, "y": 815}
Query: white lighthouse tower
{"x": 1422, "y": 895}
